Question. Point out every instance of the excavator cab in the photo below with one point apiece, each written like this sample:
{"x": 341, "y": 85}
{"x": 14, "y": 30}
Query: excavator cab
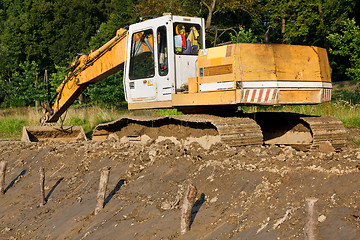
{"x": 162, "y": 53}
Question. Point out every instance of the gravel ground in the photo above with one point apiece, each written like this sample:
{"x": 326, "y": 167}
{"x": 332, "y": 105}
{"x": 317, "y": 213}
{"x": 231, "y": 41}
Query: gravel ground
{"x": 243, "y": 193}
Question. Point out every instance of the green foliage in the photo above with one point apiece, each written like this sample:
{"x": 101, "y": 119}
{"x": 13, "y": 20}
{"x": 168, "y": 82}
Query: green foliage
{"x": 56, "y": 78}
{"x": 346, "y": 45}
{"x": 245, "y": 36}
{"x": 347, "y": 95}
{"x": 157, "y": 8}
{"x": 357, "y": 142}
{"x": 305, "y": 21}
{"x": 25, "y": 87}
{"x": 75, "y": 22}
{"x": 170, "y": 111}
{"x": 77, "y": 121}
{"x": 122, "y": 14}
{"x": 109, "y": 91}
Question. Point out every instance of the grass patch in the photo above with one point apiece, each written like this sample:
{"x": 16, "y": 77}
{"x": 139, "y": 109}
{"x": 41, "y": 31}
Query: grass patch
{"x": 347, "y": 112}
{"x": 170, "y": 111}
{"x": 12, "y": 120}
{"x": 11, "y": 127}
{"x": 90, "y": 117}
{"x": 357, "y": 142}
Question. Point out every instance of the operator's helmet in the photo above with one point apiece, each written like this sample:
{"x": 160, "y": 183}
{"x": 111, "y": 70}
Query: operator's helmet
{"x": 180, "y": 29}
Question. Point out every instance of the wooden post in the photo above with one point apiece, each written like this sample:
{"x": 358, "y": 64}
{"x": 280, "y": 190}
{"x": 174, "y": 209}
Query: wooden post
{"x": 104, "y": 178}
{"x": 188, "y": 203}
{"x": 310, "y": 227}
{"x": 42, "y": 186}
{"x": 3, "y": 165}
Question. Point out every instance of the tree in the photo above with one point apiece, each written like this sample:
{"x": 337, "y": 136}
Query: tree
{"x": 109, "y": 91}
{"x": 122, "y": 14}
{"x": 25, "y": 87}
{"x": 75, "y": 21}
{"x": 345, "y": 46}
{"x": 306, "y": 22}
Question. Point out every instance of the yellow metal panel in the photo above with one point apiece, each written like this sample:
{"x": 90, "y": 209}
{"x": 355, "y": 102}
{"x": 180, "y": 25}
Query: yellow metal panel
{"x": 217, "y": 52}
{"x": 270, "y": 62}
{"x": 203, "y": 61}
{"x": 299, "y": 96}
{"x": 256, "y": 62}
{"x": 149, "y": 105}
{"x": 227, "y": 60}
{"x": 238, "y": 95}
{"x": 297, "y": 63}
{"x": 324, "y": 65}
{"x": 217, "y": 78}
{"x": 215, "y": 61}
{"x": 204, "y": 98}
{"x": 193, "y": 85}
{"x": 110, "y": 62}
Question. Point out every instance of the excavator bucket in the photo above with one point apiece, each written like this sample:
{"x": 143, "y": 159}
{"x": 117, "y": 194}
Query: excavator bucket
{"x": 52, "y": 133}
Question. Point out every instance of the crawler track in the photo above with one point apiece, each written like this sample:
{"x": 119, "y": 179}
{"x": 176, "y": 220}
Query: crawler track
{"x": 328, "y": 129}
{"x": 240, "y": 131}
{"x": 232, "y": 130}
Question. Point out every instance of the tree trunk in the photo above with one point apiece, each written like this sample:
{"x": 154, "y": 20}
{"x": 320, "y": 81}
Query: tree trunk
{"x": 42, "y": 186}
{"x": 211, "y": 12}
{"x": 104, "y": 179}
{"x": 310, "y": 228}
{"x": 3, "y": 165}
{"x": 188, "y": 203}
{"x": 81, "y": 99}
{"x": 283, "y": 29}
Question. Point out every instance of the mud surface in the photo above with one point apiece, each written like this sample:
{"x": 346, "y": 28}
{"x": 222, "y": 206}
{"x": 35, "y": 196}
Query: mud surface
{"x": 243, "y": 193}
{"x": 169, "y": 130}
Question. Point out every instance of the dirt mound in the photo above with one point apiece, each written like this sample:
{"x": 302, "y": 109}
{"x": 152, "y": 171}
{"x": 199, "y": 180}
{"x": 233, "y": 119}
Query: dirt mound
{"x": 243, "y": 193}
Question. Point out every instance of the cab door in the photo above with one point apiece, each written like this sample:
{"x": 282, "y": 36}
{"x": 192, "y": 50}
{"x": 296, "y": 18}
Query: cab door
{"x": 164, "y": 64}
{"x": 141, "y": 66}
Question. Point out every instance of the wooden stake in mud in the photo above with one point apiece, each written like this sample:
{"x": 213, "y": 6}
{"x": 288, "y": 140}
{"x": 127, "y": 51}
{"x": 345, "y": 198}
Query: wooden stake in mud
{"x": 310, "y": 227}
{"x": 3, "y": 165}
{"x": 104, "y": 178}
{"x": 188, "y": 203}
{"x": 42, "y": 186}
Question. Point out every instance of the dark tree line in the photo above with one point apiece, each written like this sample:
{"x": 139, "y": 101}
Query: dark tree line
{"x": 46, "y": 34}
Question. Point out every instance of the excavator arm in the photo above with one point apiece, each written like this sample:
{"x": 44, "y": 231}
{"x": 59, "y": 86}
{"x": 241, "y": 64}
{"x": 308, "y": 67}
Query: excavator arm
{"x": 87, "y": 69}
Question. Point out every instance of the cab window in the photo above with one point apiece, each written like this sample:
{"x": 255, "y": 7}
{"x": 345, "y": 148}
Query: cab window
{"x": 187, "y": 38}
{"x": 142, "y": 55}
{"x": 162, "y": 51}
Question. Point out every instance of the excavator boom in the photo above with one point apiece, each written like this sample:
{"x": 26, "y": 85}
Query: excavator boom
{"x": 87, "y": 69}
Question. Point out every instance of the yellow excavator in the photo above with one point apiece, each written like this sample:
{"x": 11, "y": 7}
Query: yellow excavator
{"x": 166, "y": 65}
